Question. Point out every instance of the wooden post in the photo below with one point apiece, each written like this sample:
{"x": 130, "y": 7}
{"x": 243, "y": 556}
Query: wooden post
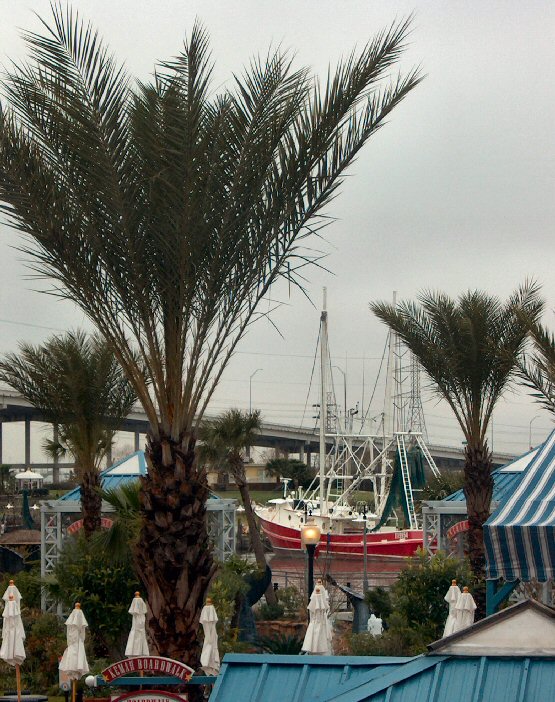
{"x": 18, "y": 682}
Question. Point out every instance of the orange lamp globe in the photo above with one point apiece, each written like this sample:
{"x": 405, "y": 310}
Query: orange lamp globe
{"x": 310, "y": 535}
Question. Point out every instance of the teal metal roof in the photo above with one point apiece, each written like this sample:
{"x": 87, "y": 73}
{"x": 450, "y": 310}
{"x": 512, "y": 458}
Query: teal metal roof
{"x": 459, "y": 679}
{"x": 127, "y": 469}
{"x": 256, "y": 678}
{"x": 272, "y": 678}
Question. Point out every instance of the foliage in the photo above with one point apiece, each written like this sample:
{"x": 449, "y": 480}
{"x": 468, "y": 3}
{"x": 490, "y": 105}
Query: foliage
{"x": 226, "y": 437}
{"x": 415, "y": 610}
{"x": 28, "y": 583}
{"x": 105, "y": 590}
{"x": 468, "y": 347}
{"x": 166, "y": 210}
{"x": 44, "y": 643}
{"x": 379, "y": 602}
{"x": 418, "y": 593}
{"x": 117, "y": 542}
{"x": 291, "y": 599}
{"x": 7, "y": 481}
{"x": 300, "y": 474}
{"x": 537, "y": 371}
{"x": 225, "y": 590}
{"x": 75, "y": 380}
{"x": 270, "y": 612}
{"x": 438, "y": 488}
{"x": 400, "y": 639}
{"x": 280, "y": 644}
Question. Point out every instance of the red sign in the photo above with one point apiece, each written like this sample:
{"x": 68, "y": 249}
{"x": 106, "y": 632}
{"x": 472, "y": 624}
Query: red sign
{"x": 105, "y": 523}
{"x": 150, "y": 664}
{"x": 150, "y": 696}
{"x": 458, "y": 528}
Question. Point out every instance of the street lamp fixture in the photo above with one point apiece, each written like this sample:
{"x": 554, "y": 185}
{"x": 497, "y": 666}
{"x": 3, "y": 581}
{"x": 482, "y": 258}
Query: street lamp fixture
{"x": 250, "y": 388}
{"x": 530, "y": 432}
{"x": 310, "y": 538}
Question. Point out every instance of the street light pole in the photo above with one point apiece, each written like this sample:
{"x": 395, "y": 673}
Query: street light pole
{"x": 250, "y": 388}
{"x": 530, "y": 432}
{"x": 310, "y": 538}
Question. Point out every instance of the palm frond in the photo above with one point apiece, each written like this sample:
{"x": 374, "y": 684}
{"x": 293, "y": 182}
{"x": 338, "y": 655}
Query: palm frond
{"x": 166, "y": 211}
{"x": 469, "y": 347}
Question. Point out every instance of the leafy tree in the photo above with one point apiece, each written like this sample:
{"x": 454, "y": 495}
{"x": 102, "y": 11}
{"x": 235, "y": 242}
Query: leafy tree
{"x": 77, "y": 383}
{"x": 225, "y": 441}
{"x": 166, "y": 211}
{"x": 416, "y": 610}
{"x": 469, "y": 348}
{"x": 105, "y": 590}
{"x": 418, "y": 593}
{"x": 538, "y": 370}
{"x": 300, "y": 474}
{"x": 440, "y": 487}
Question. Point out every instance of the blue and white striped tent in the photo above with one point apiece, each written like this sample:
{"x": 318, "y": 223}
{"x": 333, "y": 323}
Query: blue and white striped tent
{"x": 520, "y": 536}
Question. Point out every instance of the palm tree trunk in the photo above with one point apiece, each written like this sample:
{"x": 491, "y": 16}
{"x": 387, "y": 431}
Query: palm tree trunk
{"x": 173, "y": 553}
{"x": 478, "y": 490}
{"x": 256, "y": 541}
{"x": 91, "y": 501}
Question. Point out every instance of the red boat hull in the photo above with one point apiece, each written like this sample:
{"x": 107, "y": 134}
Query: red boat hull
{"x": 384, "y": 544}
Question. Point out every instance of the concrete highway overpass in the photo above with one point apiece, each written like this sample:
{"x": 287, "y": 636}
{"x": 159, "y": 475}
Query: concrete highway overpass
{"x": 14, "y": 408}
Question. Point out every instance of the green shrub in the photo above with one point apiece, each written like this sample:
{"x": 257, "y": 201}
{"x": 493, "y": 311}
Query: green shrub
{"x": 270, "y": 612}
{"x": 104, "y": 589}
{"x": 379, "y": 602}
{"x": 291, "y": 600}
{"x": 280, "y": 644}
{"x": 418, "y": 593}
{"x": 399, "y": 640}
{"x": 28, "y": 583}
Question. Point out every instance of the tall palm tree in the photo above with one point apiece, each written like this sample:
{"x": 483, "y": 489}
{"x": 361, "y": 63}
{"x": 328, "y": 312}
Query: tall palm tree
{"x": 166, "y": 211}
{"x": 77, "y": 383}
{"x": 469, "y": 348}
{"x": 225, "y": 441}
{"x": 538, "y": 369}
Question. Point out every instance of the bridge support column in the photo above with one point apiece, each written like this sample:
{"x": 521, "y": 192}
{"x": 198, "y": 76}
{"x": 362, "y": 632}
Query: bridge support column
{"x": 27, "y": 442}
{"x": 137, "y": 441}
{"x": 56, "y": 466}
{"x": 109, "y": 456}
{"x": 302, "y": 453}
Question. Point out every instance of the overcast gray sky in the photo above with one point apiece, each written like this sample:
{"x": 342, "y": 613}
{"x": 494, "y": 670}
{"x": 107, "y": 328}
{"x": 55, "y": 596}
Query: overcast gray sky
{"x": 455, "y": 193}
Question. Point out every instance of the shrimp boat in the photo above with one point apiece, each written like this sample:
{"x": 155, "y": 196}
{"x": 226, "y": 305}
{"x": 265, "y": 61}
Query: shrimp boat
{"x": 392, "y": 462}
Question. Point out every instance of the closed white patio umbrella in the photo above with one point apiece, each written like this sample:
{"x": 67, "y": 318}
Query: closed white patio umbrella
{"x": 13, "y": 635}
{"x": 74, "y": 661}
{"x": 465, "y": 610}
{"x": 317, "y": 637}
{"x": 137, "y": 644}
{"x": 451, "y": 597}
{"x": 210, "y": 656}
{"x": 12, "y": 590}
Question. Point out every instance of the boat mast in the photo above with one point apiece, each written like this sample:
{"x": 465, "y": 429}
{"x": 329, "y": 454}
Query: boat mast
{"x": 323, "y": 403}
{"x": 387, "y": 424}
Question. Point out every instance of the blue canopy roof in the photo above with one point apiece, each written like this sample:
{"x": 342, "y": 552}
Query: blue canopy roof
{"x": 520, "y": 536}
{"x": 127, "y": 469}
{"x": 505, "y": 479}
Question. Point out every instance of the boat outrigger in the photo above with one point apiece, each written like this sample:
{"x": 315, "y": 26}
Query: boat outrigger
{"x": 393, "y": 462}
